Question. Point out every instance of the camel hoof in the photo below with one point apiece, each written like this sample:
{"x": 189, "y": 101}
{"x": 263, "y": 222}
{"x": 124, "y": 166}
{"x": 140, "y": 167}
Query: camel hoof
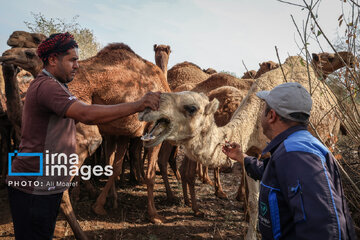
{"x": 208, "y": 181}
{"x": 221, "y": 195}
{"x": 199, "y": 214}
{"x": 239, "y": 198}
{"x": 157, "y": 219}
{"x": 99, "y": 210}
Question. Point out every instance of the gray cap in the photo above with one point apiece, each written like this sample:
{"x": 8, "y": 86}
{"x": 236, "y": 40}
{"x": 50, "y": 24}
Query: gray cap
{"x": 288, "y": 98}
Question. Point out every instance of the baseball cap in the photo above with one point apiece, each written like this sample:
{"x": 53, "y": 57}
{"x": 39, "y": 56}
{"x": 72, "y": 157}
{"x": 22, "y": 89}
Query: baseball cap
{"x": 288, "y": 98}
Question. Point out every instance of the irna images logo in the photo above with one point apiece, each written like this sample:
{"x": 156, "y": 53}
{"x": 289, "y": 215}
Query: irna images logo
{"x": 55, "y": 164}
{"x": 40, "y": 155}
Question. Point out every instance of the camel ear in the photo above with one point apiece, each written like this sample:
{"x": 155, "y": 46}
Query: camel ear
{"x": 36, "y": 38}
{"x": 155, "y": 47}
{"x": 315, "y": 57}
{"x": 211, "y": 107}
{"x": 168, "y": 51}
{"x": 268, "y": 65}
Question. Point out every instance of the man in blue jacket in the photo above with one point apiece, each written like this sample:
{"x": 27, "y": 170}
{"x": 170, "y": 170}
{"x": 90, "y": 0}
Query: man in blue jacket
{"x": 301, "y": 195}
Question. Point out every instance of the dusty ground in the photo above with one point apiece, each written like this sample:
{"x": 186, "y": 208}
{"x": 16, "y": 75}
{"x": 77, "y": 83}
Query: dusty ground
{"x": 224, "y": 218}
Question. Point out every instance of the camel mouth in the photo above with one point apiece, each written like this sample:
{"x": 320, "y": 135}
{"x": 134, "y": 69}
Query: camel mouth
{"x": 158, "y": 133}
{"x": 5, "y": 59}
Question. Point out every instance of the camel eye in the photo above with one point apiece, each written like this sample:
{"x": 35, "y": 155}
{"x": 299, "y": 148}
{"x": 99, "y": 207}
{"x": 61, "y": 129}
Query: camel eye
{"x": 29, "y": 54}
{"x": 190, "y": 109}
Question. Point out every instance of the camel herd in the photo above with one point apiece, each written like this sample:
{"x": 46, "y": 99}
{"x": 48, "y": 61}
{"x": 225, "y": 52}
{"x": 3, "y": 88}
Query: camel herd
{"x": 199, "y": 110}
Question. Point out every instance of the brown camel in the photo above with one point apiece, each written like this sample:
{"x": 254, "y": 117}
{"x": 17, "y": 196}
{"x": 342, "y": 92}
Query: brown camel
{"x": 25, "y": 39}
{"x": 187, "y": 119}
{"x": 162, "y": 53}
{"x": 265, "y": 67}
{"x": 115, "y": 75}
{"x": 249, "y": 74}
{"x": 185, "y": 73}
{"x": 326, "y": 63}
{"x": 167, "y": 152}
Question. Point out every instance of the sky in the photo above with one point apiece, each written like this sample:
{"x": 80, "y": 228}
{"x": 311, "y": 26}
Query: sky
{"x": 210, "y": 33}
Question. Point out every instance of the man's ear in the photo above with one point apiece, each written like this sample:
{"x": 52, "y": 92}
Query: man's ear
{"x": 272, "y": 116}
{"x": 52, "y": 60}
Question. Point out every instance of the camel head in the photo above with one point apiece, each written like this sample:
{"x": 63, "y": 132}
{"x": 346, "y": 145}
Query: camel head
{"x": 266, "y": 67}
{"x": 25, "y": 58}
{"x": 180, "y": 117}
{"x": 326, "y": 63}
{"x": 162, "y": 53}
{"x": 25, "y": 39}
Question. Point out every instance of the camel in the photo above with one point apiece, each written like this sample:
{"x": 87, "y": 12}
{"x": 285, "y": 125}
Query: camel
{"x": 209, "y": 71}
{"x": 162, "y": 53}
{"x": 326, "y": 63}
{"x": 187, "y": 119}
{"x": 116, "y": 74}
{"x": 185, "y": 73}
{"x": 167, "y": 152}
{"x": 25, "y": 39}
{"x": 249, "y": 74}
{"x": 265, "y": 67}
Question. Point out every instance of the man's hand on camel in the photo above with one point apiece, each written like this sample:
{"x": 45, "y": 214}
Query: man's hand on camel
{"x": 150, "y": 100}
{"x": 233, "y": 151}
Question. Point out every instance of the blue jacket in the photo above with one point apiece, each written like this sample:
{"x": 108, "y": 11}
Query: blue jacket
{"x": 301, "y": 195}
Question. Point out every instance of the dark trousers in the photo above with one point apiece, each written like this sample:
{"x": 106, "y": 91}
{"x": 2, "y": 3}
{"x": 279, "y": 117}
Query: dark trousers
{"x": 34, "y": 216}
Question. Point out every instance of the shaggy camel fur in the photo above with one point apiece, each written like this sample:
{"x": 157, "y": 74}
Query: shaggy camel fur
{"x": 326, "y": 63}
{"x": 185, "y": 73}
{"x": 108, "y": 78}
{"x": 25, "y": 39}
{"x": 187, "y": 119}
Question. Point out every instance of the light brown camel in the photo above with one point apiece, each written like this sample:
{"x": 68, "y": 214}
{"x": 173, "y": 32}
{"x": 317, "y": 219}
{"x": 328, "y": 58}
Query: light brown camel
{"x": 249, "y": 74}
{"x": 185, "y": 73}
{"x": 115, "y": 75}
{"x": 25, "y": 39}
{"x": 187, "y": 119}
{"x": 326, "y": 63}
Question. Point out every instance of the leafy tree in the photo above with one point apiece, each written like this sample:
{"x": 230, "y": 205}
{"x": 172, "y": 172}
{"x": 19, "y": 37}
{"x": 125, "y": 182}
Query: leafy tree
{"x": 88, "y": 45}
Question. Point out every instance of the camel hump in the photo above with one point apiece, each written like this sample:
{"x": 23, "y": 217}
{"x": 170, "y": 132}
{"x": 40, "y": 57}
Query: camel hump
{"x": 114, "y": 47}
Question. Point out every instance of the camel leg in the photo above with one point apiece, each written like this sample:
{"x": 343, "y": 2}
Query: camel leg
{"x": 164, "y": 155}
{"x": 114, "y": 194}
{"x": 190, "y": 178}
{"x": 136, "y": 166}
{"x": 70, "y": 217}
{"x": 253, "y": 187}
{"x": 150, "y": 182}
{"x": 98, "y": 207}
{"x": 206, "y": 179}
{"x": 172, "y": 162}
{"x": 183, "y": 169}
{"x": 218, "y": 188}
{"x": 75, "y": 192}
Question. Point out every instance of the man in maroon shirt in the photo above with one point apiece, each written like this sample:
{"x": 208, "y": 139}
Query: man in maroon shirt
{"x": 48, "y": 126}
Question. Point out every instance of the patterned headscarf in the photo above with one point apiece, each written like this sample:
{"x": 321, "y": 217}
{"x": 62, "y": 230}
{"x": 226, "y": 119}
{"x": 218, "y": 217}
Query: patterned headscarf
{"x": 55, "y": 44}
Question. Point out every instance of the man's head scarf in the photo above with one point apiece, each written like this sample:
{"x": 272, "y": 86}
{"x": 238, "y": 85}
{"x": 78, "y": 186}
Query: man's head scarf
{"x": 55, "y": 45}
